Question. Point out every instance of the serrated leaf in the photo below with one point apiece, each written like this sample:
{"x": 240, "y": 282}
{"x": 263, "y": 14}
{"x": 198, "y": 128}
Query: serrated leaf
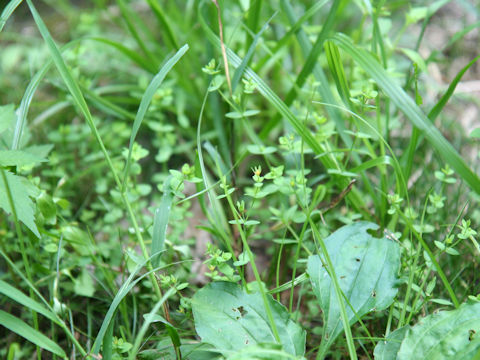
{"x": 230, "y": 319}
{"x": 367, "y": 270}
{"x": 23, "y": 205}
{"x": 19, "y": 158}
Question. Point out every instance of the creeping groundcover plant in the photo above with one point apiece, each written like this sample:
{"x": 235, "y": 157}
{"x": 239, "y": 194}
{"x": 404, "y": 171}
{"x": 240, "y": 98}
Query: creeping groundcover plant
{"x": 241, "y": 179}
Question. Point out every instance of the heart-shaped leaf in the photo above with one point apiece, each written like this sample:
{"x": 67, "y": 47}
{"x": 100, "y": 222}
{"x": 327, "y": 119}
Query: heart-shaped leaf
{"x": 230, "y": 319}
{"x": 446, "y": 335}
{"x": 367, "y": 270}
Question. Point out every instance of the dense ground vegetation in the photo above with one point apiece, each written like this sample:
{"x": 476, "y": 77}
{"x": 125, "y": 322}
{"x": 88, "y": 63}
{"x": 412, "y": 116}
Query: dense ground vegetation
{"x": 242, "y": 179}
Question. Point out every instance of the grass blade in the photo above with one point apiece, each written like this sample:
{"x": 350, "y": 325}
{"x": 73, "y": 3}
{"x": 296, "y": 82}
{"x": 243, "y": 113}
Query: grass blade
{"x": 410, "y": 109}
{"x": 7, "y": 11}
{"x": 149, "y": 319}
{"x": 145, "y": 103}
{"x": 336, "y": 68}
{"x": 160, "y": 222}
{"x": 127, "y": 15}
{"x": 239, "y": 72}
{"x": 253, "y": 18}
{"x": 132, "y": 55}
{"x": 293, "y": 30}
{"x": 18, "y": 296}
{"x": 21, "y": 328}
{"x": 312, "y": 53}
{"x": 328, "y": 161}
{"x": 122, "y": 292}
{"x": 432, "y": 115}
{"x": 163, "y": 20}
{"x": 79, "y": 100}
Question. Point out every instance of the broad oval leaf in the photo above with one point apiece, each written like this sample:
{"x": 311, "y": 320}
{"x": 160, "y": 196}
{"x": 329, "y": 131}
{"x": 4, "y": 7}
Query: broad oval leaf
{"x": 447, "y": 335}
{"x": 230, "y": 319}
{"x": 367, "y": 270}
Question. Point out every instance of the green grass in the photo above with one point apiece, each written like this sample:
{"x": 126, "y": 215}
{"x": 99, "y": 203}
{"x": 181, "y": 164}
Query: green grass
{"x": 153, "y": 207}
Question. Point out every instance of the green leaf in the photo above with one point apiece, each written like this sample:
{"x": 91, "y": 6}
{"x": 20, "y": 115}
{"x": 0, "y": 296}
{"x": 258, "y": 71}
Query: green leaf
{"x": 48, "y": 208}
{"x": 7, "y": 116}
{"x": 18, "y": 296}
{"x": 336, "y": 68}
{"x": 230, "y": 319}
{"x": 19, "y": 327}
{"x": 84, "y": 284}
{"x": 19, "y": 158}
{"x": 241, "y": 68}
{"x": 475, "y": 133}
{"x": 24, "y": 207}
{"x": 7, "y": 11}
{"x": 445, "y": 335}
{"x": 398, "y": 96}
{"x": 160, "y": 222}
{"x": 367, "y": 269}
{"x": 387, "y": 349}
{"x": 172, "y": 331}
{"x": 261, "y": 352}
{"x": 147, "y": 99}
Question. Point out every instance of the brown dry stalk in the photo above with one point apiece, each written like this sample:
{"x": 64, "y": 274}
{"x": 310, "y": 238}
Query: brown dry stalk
{"x": 222, "y": 45}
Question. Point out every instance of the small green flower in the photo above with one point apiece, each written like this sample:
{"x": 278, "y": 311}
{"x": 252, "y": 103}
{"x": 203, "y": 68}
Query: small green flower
{"x": 395, "y": 200}
{"x": 210, "y": 68}
{"x": 466, "y": 230}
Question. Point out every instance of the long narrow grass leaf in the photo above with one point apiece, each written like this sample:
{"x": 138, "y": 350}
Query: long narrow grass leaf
{"x": 410, "y": 109}
{"x": 70, "y": 82}
{"x": 132, "y": 55}
{"x": 149, "y": 319}
{"x": 122, "y": 292}
{"x": 336, "y": 67}
{"x": 432, "y": 115}
{"x": 437, "y": 109}
{"x": 328, "y": 161}
{"x": 160, "y": 222}
{"x": 246, "y": 60}
{"x": 293, "y": 30}
{"x": 7, "y": 11}
{"x": 18, "y": 296}
{"x": 146, "y": 100}
{"x": 21, "y": 328}
{"x": 312, "y": 53}
{"x": 128, "y": 17}
{"x": 163, "y": 20}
